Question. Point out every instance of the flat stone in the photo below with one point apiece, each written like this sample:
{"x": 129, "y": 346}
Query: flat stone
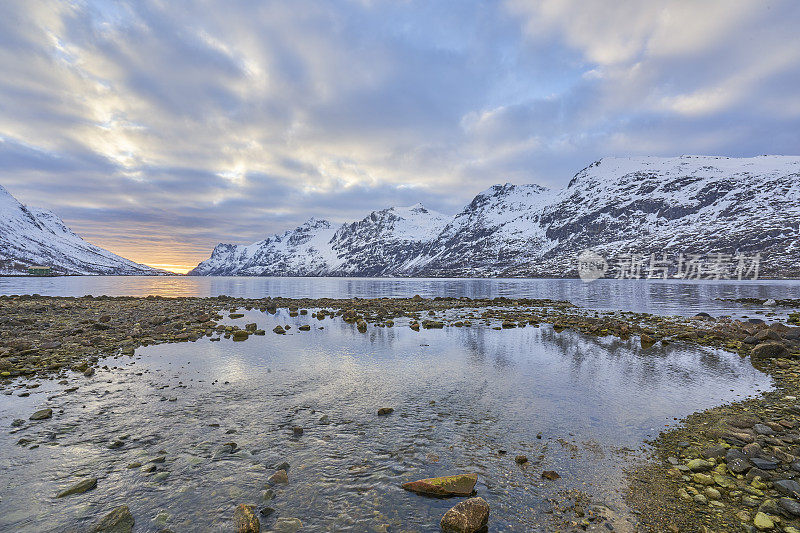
{"x": 287, "y": 525}
{"x": 787, "y": 487}
{"x": 764, "y": 464}
{"x": 79, "y": 488}
{"x": 469, "y": 516}
{"x": 790, "y": 506}
{"x": 42, "y": 414}
{"x": 458, "y": 485}
{"x": 550, "y": 474}
{"x": 120, "y": 520}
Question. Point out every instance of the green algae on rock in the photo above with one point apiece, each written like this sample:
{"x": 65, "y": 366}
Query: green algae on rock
{"x": 458, "y": 485}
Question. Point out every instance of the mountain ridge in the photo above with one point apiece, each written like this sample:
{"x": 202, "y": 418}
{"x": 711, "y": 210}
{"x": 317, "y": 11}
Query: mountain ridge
{"x": 614, "y": 206}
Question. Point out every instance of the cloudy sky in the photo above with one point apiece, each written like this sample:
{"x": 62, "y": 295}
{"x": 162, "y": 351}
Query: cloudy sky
{"x": 158, "y": 128}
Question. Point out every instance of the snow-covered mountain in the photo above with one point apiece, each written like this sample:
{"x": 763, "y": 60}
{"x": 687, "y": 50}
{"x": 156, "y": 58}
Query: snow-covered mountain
{"x": 687, "y": 205}
{"x": 377, "y": 245}
{"x": 31, "y": 236}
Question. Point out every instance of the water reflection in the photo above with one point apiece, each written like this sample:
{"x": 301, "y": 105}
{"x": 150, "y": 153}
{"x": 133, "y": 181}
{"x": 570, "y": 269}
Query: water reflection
{"x": 460, "y": 396}
{"x": 654, "y": 296}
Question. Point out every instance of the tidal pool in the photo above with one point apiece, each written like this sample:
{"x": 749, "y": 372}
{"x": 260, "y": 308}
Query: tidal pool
{"x": 576, "y": 404}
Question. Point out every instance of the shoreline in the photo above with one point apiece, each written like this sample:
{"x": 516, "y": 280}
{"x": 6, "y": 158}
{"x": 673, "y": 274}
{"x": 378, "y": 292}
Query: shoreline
{"x": 48, "y": 337}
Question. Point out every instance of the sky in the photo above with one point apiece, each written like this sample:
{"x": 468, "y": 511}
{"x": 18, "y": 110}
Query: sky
{"x": 159, "y": 128}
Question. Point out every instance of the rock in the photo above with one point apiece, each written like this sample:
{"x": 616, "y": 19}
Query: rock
{"x": 763, "y": 522}
{"x": 647, "y": 341}
{"x": 764, "y": 464}
{"x": 788, "y": 487}
{"x": 521, "y": 459}
{"x": 42, "y": 414}
{"x": 769, "y": 349}
{"x": 702, "y": 479}
{"x": 469, "y": 516}
{"x": 550, "y": 474}
{"x": 17, "y": 423}
{"x": 240, "y": 335}
{"x": 79, "y": 488}
{"x": 739, "y": 465}
{"x": 763, "y": 429}
{"x": 790, "y": 506}
{"x": 385, "y": 411}
{"x": 120, "y": 520}
{"x": 245, "y": 519}
{"x": 266, "y": 511}
{"x": 715, "y": 452}
{"x": 279, "y": 477}
{"x": 770, "y": 303}
{"x": 279, "y": 330}
{"x": 752, "y": 450}
{"x": 287, "y": 525}
{"x": 304, "y": 327}
{"x": 699, "y": 465}
{"x": 458, "y": 485}
{"x": 297, "y": 431}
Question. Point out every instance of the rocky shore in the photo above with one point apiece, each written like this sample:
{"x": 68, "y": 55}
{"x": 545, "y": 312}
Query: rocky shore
{"x": 731, "y": 468}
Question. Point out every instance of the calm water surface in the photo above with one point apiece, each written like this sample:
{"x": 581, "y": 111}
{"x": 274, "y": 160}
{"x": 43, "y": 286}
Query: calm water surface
{"x": 461, "y": 396}
{"x": 669, "y": 297}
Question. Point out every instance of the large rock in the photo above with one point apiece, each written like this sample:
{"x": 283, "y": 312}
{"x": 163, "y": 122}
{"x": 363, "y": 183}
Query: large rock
{"x": 769, "y": 349}
{"x": 469, "y": 516}
{"x": 245, "y": 519}
{"x": 459, "y": 485}
{"x": 120, "y": 520}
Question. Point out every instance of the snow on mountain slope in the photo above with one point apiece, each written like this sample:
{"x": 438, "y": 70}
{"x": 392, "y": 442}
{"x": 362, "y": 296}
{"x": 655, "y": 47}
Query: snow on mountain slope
{"x": 689, "y": 205}
{"x": 371, "y": 246}
{"x": 385, "y": 242}
{"x": 642, "y": 205}
{"x": 303, "y": 251}
{"x": 489, "y": 234}
{"x": 32, "y": 236}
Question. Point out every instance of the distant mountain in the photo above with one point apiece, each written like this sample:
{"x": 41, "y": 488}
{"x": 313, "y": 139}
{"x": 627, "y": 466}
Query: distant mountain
{"x": 31, "y": 236}
{"x": 686, "y": 205}
{"x": 374, "y": 246}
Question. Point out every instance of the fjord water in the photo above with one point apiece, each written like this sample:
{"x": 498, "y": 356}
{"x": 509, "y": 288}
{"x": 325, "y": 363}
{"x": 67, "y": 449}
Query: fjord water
{"x": 668, "y": 297}
{"x": 461, "y": 396}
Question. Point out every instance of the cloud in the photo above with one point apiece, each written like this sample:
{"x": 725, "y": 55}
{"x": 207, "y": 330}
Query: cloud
{"x": 158, "y": 129}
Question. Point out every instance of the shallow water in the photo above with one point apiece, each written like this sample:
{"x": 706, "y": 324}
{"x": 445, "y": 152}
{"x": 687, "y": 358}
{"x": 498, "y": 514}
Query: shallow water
{"x": 461, "y": 395}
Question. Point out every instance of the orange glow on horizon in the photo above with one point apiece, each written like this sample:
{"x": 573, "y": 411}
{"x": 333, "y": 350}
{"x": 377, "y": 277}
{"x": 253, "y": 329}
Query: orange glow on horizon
{"x": 177, "y": 269}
